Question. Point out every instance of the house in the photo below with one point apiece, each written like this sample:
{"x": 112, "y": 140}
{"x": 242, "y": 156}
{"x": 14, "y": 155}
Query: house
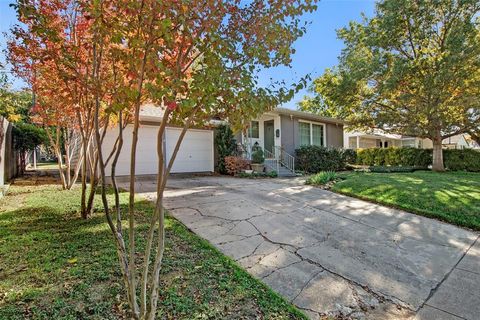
{"x": 460, "y": 141}
{"x": 278, "y": 132}
{"x": 281, "y": 131}
{"x": 378, "y": 139}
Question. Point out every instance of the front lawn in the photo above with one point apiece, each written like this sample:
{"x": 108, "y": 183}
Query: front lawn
{"x": 453, "y": 197}
{"x": 53, "y": 265}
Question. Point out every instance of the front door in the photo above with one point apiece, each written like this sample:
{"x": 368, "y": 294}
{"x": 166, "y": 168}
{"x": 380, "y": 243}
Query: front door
{"x": 269, "y": 135}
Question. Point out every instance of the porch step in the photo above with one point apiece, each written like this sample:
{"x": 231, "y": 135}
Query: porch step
{"x": 282, "y": 171}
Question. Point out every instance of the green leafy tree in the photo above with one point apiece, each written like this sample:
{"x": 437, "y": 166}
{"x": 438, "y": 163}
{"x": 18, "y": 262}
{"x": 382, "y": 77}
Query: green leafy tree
{"x": 225, "y": 144}
{"x": 14, "y": 105}
{"x": 27, "y": 137}
{"x": 412, "y": 69}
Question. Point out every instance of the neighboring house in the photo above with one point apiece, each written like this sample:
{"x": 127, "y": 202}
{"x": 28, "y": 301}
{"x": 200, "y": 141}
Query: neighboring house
{"x": 458, "y": 142}
{"x": 379, "y": 139}
{"x": 281, "y": 131}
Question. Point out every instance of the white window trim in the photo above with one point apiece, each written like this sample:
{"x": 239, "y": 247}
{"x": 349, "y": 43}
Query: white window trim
{"x": 311, "y": 131}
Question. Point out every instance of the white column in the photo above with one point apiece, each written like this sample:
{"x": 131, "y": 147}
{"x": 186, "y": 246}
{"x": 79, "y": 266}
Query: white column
{"x": 358, "y": 142}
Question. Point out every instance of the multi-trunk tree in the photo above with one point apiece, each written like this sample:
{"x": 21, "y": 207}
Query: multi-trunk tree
{"x": 412, "y": 69}
{"x": 194, "y": 59}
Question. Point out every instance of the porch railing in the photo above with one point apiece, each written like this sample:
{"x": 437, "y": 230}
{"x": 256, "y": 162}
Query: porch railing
{"x": 286, "y": 159}
{"x": 279, "y": 158}
{"x": 271, "y": 160}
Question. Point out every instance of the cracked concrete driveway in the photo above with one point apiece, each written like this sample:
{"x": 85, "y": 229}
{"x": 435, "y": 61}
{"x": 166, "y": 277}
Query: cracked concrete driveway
{"x": 330, "y": 254}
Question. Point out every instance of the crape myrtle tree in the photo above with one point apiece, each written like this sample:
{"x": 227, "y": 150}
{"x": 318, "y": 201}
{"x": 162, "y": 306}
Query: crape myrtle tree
{"x": 412, "y": 69}
{"x": 52, "y": 50}
{"x": 196, "y": 60}
{"x": 41, "y": 51}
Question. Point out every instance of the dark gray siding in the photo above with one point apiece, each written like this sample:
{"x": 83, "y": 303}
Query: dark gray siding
{"x": 334, "y": 135}
{"x": 289, "y": 134}
{"x": 291, "y": 140}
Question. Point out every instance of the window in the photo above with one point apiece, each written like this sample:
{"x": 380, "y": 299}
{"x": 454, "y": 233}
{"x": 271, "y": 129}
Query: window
{"x": 408, "y": 143}
{"x": 254, "y": 130}
{"x": 311, "y": 134}
{"x": 317, "y": 135}
{"x": 304, "y": 133}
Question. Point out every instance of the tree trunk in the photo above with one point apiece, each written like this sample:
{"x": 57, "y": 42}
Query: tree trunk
{"x": 93, "y": 187}
{"x": 83, "y": 200}
{"x": 437, "y": 154}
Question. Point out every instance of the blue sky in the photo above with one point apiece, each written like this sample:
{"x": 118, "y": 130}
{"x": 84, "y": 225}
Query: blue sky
{"x": 318, "y": 49}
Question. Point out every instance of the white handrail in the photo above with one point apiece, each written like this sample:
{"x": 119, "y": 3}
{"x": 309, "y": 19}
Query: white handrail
{"x": 286, "y": 159}
{"x": 269, "y": 156}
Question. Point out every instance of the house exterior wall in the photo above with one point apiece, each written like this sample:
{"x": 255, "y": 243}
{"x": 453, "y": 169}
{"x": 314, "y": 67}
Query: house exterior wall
{"x": 334, "y": 135}
{"x": 290, "y": 139}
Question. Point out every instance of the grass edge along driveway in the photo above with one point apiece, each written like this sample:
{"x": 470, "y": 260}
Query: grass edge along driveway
{"x": 453, "y": 197}
{"x": 54, "y": 265}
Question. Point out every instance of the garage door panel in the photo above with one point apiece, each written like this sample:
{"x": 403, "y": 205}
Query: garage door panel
{"x": 195, "y": 153}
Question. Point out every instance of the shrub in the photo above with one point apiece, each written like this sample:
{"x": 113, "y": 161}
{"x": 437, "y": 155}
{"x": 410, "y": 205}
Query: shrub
{"x": 349, "y": 156}
{"x": 453, "y": 159}
{"x": 235, "y": 165}
{"x": 225, "y": 145}
{"x": 462, "y": 160}
{"x": 413, "y": 157}
{"x": 322, "y": 178}
{"x": 313, "y": 159}
{"x": 257, "y": 156}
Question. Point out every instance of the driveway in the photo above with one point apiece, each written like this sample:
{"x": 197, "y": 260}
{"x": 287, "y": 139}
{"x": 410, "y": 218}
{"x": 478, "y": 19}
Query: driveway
{"x": 330, "y": 254}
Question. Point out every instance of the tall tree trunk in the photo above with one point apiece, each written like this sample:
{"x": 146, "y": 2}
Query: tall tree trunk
{"x": 438, "y": 154}
{"x": 93, "y": 186}
{"x": 84, "y": 212}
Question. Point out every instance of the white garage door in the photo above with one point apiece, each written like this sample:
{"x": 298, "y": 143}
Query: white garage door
{"x": 195, "y": 153}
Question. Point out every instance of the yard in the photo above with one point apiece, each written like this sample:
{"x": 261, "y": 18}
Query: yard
{"x": 54, "y": 265}
{"x": 453, "y": 197}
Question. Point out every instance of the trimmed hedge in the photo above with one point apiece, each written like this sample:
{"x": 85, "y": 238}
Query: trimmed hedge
{"x": 453, "y": 159}
{"x": 411, "y": 157}
{"x": 313, "y": 159}
{"x": 461, "y": 160}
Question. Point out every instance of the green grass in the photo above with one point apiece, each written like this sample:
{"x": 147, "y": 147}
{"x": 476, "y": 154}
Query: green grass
{"x": 53, "y": 265}
{"x": 46, "y": 165}
{"x": 453, "y": 197}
